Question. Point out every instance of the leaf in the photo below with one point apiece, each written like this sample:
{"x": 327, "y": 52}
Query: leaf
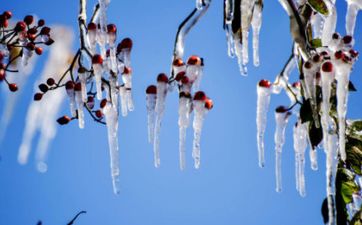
{"x": 306, "y": 112}
{"x": 357, "y": 220}
{"x": 351, "y": 86}
{"x": 316, "y": 43}
{"x": 319, "y": 6}
{"x": 354, "y": 154}
{"x": 354, "y": 129}
{"x": 315, "y": 135}
{"x": 347, "y": 189}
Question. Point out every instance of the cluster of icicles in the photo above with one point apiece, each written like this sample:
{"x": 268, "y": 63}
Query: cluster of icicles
{"x": 251, "y": 16}
{"x": 329, "y": 65}
{"x": 188, "y": 80}
{"x": 105, "y": 70}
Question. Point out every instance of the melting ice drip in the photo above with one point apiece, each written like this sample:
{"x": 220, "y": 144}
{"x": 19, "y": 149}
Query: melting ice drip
{"x": 188, "y": 79}
{"x": 250, "y": 12}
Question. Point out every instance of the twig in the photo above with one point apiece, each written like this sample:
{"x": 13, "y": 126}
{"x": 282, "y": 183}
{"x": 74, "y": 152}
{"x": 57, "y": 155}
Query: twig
{"x": 76, "y": 216}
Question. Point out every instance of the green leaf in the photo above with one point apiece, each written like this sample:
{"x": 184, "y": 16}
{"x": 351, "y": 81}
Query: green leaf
{"x": 316, "y": 43}
{"x": 354, "y": 154}
{"x": 357, "y": 220}
{"x": 319, "y": 6}
{"x": 354, "y": 129}
{"x": 347, "y": 189}
{"x": 351, "y": 86}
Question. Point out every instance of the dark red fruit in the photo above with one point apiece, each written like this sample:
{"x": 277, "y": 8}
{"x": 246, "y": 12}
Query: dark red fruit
{"x": 354, "y": 53}
{"x": 64, "y": 120}
{"x": 162, "y": 78}
{"x": 13, "y": 87}
{"x": 77, "y": 87}
{"x": 281, "y": 109}
{"x": 92, "y": 26}
{"x": 338, "y": 54}
{"x": 38, "y": 50}
{"x": 335, "y": 36}
{"x": 194, "y": 60}
{"x": 103, "y": 103}
{"x": 45, "y": 31}
{"x": 97, "y": 59}
{"x": 8, "y": 14}
{"x": 178, "y": 62}
{"x": 125, "y": 44}
{"x": 29, "y": 19}
{"x": 99, "y": 114}
{"x": 264, "y": 83}
{"x": 180, "y": 75}
{"x": 50, "y": 81}
{"x": 30, "y": 46}
{"x": 296, "y": 84}
{"x": 69, "y": 85}
{"x": 327, "y": 67}
{"x": 41, "y": 23}
{"x": 317, "y": 58}
{"x": 90, "y": 102}
{"x": 43, "y": 88}
{"x": 347, "y": 39}
{"x": 200, "y": 96}
{"x": 20, "y": 26}
{"x": 185, "y": 80}
{"x": 50, "y": 41}
{"x": 38, "y": 96}
{"x": 152, "y": 89}
{"x": 111, "y": 28}
{"x": 209, "y": 104}
{"x": 127, "y": 70}
{"x": 308, "y": 65}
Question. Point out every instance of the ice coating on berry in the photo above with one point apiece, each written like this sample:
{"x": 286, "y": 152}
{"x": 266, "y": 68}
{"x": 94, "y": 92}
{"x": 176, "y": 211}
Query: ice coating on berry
{"x": 152, "y": 89}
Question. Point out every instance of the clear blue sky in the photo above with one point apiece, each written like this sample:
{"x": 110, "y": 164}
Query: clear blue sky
{"x": 229, "y": 188}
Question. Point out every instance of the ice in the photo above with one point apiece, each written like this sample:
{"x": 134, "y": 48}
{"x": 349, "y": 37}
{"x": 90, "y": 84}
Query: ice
{"x": 351, "y": 16}
{"x": 199, "y": 4}
{"x": 127, "y": 80}
{"x": 183, "y": 122}
{"x": 83, "y": 82}
{"x": 300, "y": 144}
{"x": 151, "y": 103}
{"x": 98, "y": 72}
{"x": 281, "y": 119}
{"x": 310, "y": 89}
{"x": 239, "y": 53}
{"x": 317, "y": 22}
{"x": 72, "y": 104}
{"x": 246, "y": 8}
{"x": 129, "y": 99}
{"x": 26, "y": 56}
{"x": 197, "y": 81}
{"x": 199, "y": 115}
{"x": 79, "y": 102}
{"x": 331, "y": 170}
{"x": 256, "y": 24}
{"x": 313, "y": 156}
{"x": 343, "y": 71}
{"x": 230, "y": 41}
{"x": 124, "y": 104}
{"x": 194, "y": 73}
{"x": 113, "y": 82}
{"x": 111, "y": 116}
{"x": 125, "y": 57}
{"x": 159, "y": 110}
{"x": 91, "y": 36}
{"x": 102, "y": 31}
{"x": 262, "y": 107}
{"x": 330, "y": 23}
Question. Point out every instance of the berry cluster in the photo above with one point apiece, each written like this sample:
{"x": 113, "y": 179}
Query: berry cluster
{"x": 20, "y": 42}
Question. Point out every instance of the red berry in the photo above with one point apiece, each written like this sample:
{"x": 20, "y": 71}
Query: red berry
{"x": 1, "y": 57}
{"x": 103, "y": 103}
{"x": 91, "y": 26}
{"x": 77, "y": 87}
{"x": 200, "y": 96}
{"x": 13, "y": 87}
{"x": 8, "y": 14}
{"x": 43, "y": 87}
{"x": 178, "y": 62}
{"x": 127, "y": 70}
{"x": 296, "y": 84}
{"x": 2, "y": 74}
{"x": 264, "y": 83}
{"x": 99, "y": 114}
{"x": 318, "y": 75}
{"x": 50, "y": 41}
{"x": 327, "y": 67}
{"x": 97, "y": 59}
{"x": 180, "y": 75}
{"x": 30, "y": 46}
{"x": 338, "y": 54}
{"x": 335, "y": 36}
{"x": 50, "y": 81}
{"x": 184, "y": 95}
{"x": 28, "y": 19}
{"x": 308, "y": 65}
{"x": 69, "y": 85}
{"x": 41, "y": 23}
{"x": 90, "y": 102}
{"x": 317, "y": 58}
{"x": 38, "y": 96}
{"x": 38, "y": 50}
{"x": 125, "y": 44}
{"x": 194, "y": 60}
{"x": 152, "y": 89}
{"x": 5, "y": 23}
{"x": 209, "y": 104}
{"x": 185, "y": 80}
{"x": 353, "y": 53}
{"x": 20, "y": 26}
{"x": 64, "y": 120}
{"x": 45, "y": 31}
{"x": 111, "y": 28}
{"x": 281, "y": 109}
{"x": 347, "y": 39}
{"x": 162, "y": 78}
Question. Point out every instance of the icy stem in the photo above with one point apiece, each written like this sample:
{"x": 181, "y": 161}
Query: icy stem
{"x": 262, "y": 107}
{"x": 111, "y": 116}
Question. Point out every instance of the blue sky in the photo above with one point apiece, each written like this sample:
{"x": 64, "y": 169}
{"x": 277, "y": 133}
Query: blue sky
{"x": 229, "y": 188}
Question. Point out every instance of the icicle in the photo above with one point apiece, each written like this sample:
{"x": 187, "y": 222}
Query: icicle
{"x": 317, "y": 21}
{"x": 300, "y": 144}
{"x": 343, "y": 71}
{"x": 183, "y": 122}
{"x": 281, "y": 119}
{"x": 102, "y": 31}
{"x": 351, "y": 15}
{"x": 313, "y": 156}
{"x": 79, "y": 103}
{"x": 331, "y": 170}
{"x": 91, "y": 36}
{"x": 310, "y": 89}
{"x": 111, "y": 116}
{"x": 246, "y": 9}
{"x": 239, "y": 54}
{"x": 256, "y": 24}
{"x": 263, "y": 100}
{"x": 83, "y": 81}
{"x": 27, "y": 54}
{"x": 124, "y": 52}
{"x": 201, "y": 105}
{"x": 69, "y": 86}
{"x": 199, "y": 4}
{"x": 112, "y": 32}
{"x": 113, "y": 83}
{"x": 151, "y": 92}
{"x": 194, "y": 67}
{"x": 162, "y": 81}
{"x": 124, "y": 106}
{"x": 97, "y": 62}
{"x": 230, "y": 40}
{"x": 330, "y": 23}
{"x": 127, "y": 80}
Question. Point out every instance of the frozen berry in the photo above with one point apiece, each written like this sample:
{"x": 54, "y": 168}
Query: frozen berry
{"x": 50, "y": 81}
{"x": 69, "y": 85}
{"x": 200, "y": 96}
{"x": 45, "y": 31}
{"x": 162, "y": 78}
{"x": 77, "y": 87}
{"x": 43, "y": 88}
{"x": 29, "y": 19}
{"x": 209, "y": 104}
{"x": 308, "y": 65}
{"x": 152, "y": 89}
{"x": 185, "y": 80}
{"x": 111, "y": 28}
{"x": 20, "y": 26}
{"x": 38, "y": 96}
{"x": 194, "y": 60}
{"x": 127, "y": 70}
{"x": 8, "y": 14}
{"x": 99, "y": 114}
{"x": 327, "y": 67}
{"x": 281, "y": 109}
{"x": 41, "y": 23}
{"x": 264, "y": 83}
{"x": 13, "y": 87}
{"x": 92, "y": 26}
{"x": 347, "y": 39}
{"x": 180, "y": 75}
{"x": 38, "y": 50}
{"x": 64, "y": 120}
{"x": 178, "y": 62}
{"x": 125, "y": 44}
{"x": 103, "y": 103}
{"x": 97, "y": 59}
